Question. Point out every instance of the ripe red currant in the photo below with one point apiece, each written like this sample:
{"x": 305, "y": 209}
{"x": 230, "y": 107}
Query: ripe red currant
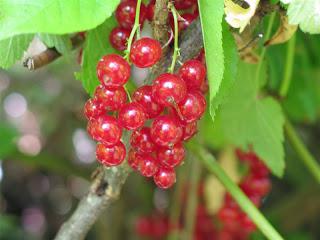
{"x": 150, "y": 10}
{"x": 183, "y": 23}
{"x": 171, "y": 157}
{"x": 192, "y": 107}
{"x": 227, "y": 214}
{"x": 126, "y": 12}
{"x": 131, "y": 116}
{"x": 255, "y": 186}
{"x": 165, "y": 177}
{"x": 184, "y": 4}
{"x": 93, "y": 109}
{"x": 118, "y": 38}
{"x": 105, "y": 129}
{"x": 111, "y": 98}
{"x": 148, "y": 164}
{"x": 166, "y": 131}
{"x": 111, "y": 156}
{"x": 189, "y": 130}
{"x": 143, "y": 96}
{"x": 188, "y": 18}
{"x": 169, "y": 89}
{"x": 113, "y": 70}
{"x": 141, "y": 140}
{"x": 193, "y": 72}
{"x": 133, "y": 159}
{"x": 145, "y": 52}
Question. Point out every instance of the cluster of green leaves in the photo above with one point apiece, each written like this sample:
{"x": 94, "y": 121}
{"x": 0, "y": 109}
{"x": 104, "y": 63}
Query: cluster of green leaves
{"x": 52, "y": 21}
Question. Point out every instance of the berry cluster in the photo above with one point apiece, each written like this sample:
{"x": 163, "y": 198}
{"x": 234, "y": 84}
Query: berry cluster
{"x": 158, "y": 225}
{"x": 125, "y": 15}
{"x": 256, "y": 185}
{"x": 229, "y": 223}
{"x": 161, "y": 116}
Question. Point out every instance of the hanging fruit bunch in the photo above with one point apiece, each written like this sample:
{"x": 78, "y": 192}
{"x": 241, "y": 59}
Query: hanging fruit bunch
{"x": 159, "y": 116}
{"x": 229, "y": 222}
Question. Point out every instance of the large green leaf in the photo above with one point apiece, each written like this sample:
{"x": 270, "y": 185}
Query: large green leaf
{"x": 52, "y": 16}
{"x": 231, "y": 60}
{"x": 211, "y": 13}
{"x": 306, "y": 13}
{"x": 61, "y": 42}
{"x": 12, "y": 49}
{"x": 95, "y": 47}
{"x": 249, "y": 119}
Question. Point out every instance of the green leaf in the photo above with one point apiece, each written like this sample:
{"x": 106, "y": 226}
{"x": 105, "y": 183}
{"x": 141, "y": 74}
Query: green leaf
{"x": 211, "y": 13}
{"x": 52, "y": 16}
{"x": 249, "y": 119}
{"x": 96, "y": 45}
{"x": 306, "y": 14}
{"x": 8, "y": 135}
{"x": 61, "y": 42}
{"x": 12, "y": 49}
{"x": 231, "y": 60}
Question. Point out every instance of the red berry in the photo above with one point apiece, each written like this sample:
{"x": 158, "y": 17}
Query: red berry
{"x": 111, "y": 98}
{"x": 185, "y": 22}
{"x": 141, "y": 140}
{"x": 246, "y": 223}
{"x": 165, "y": 177}
{"x": 166, "y": 131}
{"x": 255, "y": 186}
{"x": 111, "y": 156}
{"x": 192, "y": 107}
{"x": 126, "y": 12}
{"x": 189, "y": 130}
{"x": 145, "y": 52}
{"x": 150, "y": 10}
{"x": 143, "y": 96}
{"x": 227, "y": 214}
{"x": 131, "y": 116}
{"x": 204, "y": 86}
{"x": 169, "y": 89}
{"x": 188, "y": 19}
{"x": 105, "y": 129}
{"x": 202, "y": 57}
{"x": 148, "y": 164}
{"x": 184, "y": 4}
{"x": 133, "y": 159}
{"x": 93, "y": 109}
{"x": 118, "y": 38}
{"x": 113, "y": 70}
{"x": 171, "y": 157}
{"x": 193, "y": 72}
{"x": 143, "y": 226}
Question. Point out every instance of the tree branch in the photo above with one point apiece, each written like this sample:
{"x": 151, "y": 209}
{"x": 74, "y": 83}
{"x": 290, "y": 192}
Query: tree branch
{"x": 49, "y": 55}
{"x": 104, "y": 190}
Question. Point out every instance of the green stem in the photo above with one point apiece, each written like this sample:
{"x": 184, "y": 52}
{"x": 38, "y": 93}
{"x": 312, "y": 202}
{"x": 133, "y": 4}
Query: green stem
{"x": 176, "y": 208}
{"x": 263, "y": 52}
{"x": 288, "y": 68}
{"x": 176, "y": 39}
{"x": 134, "y": 30}
{"x": 247, "y": 206}
{"x": 311, "y": 164}
{"x": 192, "y": 201}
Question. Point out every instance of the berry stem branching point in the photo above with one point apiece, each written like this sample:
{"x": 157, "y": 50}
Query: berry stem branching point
{"x": 136, "y": 28}
{"x": 176, "y": 35}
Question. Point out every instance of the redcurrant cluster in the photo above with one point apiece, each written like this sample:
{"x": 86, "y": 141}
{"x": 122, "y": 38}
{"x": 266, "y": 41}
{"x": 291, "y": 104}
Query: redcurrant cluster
{"x": 125, "y": 15}
{"x": 159, "y": 226}
{"x": 256, "y": 185}
{"x": 230, "y": 222}
{"x": 161, "y": 116}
